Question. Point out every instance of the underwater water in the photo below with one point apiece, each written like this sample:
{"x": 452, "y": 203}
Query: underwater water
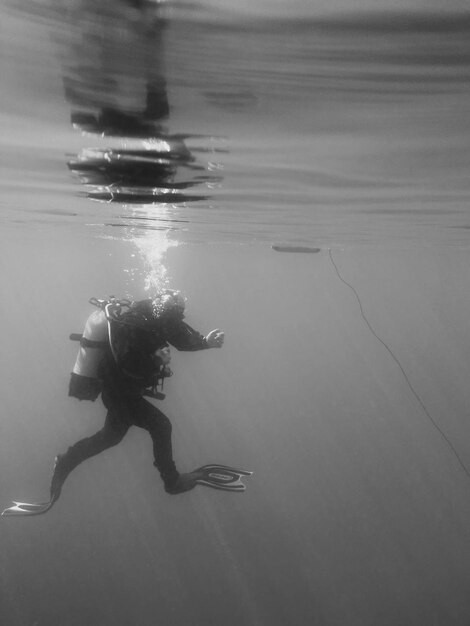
{"x": 300, "y": 172}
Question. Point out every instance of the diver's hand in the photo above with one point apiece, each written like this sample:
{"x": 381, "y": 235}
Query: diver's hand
{"x": 215, "y": 339}
{"x": 164, "y": 355}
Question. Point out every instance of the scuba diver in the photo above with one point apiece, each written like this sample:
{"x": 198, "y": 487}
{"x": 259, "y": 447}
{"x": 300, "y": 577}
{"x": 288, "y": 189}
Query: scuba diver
{"x": 124, "y": 355}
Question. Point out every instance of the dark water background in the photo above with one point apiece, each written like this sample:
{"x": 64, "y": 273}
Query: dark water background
{"x": 178, "y": 143}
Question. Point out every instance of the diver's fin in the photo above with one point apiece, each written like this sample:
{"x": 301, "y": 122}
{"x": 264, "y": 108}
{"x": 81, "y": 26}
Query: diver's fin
{"x": 222, "y": 477}
{"x": 32, "y": 508}
{"x": 28, "y": 508}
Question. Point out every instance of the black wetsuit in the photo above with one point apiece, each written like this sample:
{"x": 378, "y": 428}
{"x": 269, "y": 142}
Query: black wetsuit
{"x": 125, "y": 377}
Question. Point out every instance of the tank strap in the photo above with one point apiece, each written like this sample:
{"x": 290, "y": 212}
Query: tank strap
{"x": 87, "y": 343}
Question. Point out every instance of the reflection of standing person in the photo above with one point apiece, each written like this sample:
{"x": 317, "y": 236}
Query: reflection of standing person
{"x": 113, "y": 66}
{"x": 134, "y": 359}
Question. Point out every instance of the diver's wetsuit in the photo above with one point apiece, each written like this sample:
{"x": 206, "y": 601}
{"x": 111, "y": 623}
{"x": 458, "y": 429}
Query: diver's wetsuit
{"x": 124, "y": 381}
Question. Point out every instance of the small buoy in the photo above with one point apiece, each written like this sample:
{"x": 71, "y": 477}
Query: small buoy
{"x": 304, "y": 249}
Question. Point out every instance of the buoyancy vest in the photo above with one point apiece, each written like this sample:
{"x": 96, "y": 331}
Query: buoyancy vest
{"x": 136, "y": 353}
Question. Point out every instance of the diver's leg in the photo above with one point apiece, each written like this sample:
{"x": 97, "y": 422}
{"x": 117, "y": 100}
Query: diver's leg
{"x": 150, "y": 418}
{"x": 113, "y": 431}
{"x": 157, "y": 424}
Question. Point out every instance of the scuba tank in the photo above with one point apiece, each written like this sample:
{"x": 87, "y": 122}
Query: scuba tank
{"x": 95, "y": 340}
{"x": 92, "y": 344}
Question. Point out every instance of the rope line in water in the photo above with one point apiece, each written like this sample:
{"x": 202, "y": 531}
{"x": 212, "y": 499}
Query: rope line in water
{"x": 405, "y": 376}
